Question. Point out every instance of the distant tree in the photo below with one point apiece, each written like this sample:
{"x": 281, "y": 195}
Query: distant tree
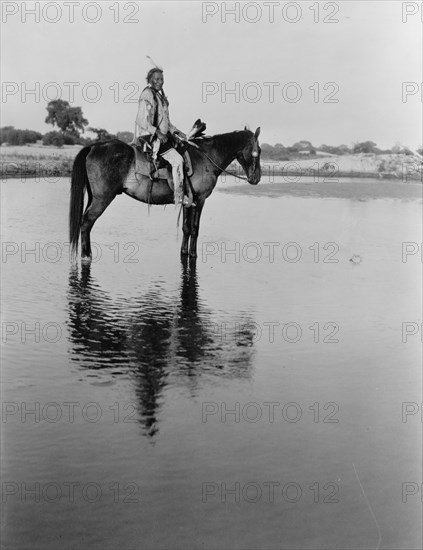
{"x": 398, "y": 148}
{"x": 102, "y": 134}
{"x": 344, "y": 149}
{"x": 364, "y": 147}
{"x": 127, "y": 137}
{"x": 266, "y": 147}
{"x": 333, "y": 150}
{"x": 15, "y": 137}
{"x": 54, "y": 138}
{"x": 4, "y": 133}
{"x": 70, "y": 139}
{"x": 302, "y": 146}
{"x": 8, "y": 134}
{"x": 420, "y": 151}
{"x": 276, "y": 153}
{"x": 68, "y": 119}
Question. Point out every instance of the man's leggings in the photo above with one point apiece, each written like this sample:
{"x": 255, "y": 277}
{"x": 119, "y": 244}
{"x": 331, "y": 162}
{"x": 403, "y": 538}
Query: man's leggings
{"x": 177, "y": 162}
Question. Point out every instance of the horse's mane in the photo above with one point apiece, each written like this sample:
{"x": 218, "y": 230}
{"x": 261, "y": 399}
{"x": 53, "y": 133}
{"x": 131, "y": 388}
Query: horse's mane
{"x": 221, "y": 136}
{"x": 226, "y": 140}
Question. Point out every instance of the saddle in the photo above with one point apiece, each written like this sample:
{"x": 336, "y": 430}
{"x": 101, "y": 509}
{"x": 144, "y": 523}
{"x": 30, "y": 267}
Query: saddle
{"x": 159, "y": 168}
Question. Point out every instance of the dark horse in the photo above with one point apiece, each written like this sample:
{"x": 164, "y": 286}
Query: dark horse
{"x": 104, "y": 170}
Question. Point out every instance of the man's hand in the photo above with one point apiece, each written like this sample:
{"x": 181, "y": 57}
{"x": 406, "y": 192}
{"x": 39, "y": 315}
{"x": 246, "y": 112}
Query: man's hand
{"x": 162, "y": 137}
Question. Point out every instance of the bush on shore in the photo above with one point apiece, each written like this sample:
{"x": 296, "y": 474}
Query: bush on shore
{"x": 9, "y": 134}
{"x": 54, "y": 138}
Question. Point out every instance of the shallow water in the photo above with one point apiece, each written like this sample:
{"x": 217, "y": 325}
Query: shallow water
{"x": 251, "y": 400}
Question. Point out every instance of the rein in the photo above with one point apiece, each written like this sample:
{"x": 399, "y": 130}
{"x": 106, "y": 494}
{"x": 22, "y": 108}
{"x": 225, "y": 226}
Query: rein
{"x": 212, "y": 161}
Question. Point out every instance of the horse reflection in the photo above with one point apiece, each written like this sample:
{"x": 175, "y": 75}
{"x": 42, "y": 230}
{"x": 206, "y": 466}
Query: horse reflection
{"x": 155, "y": 339}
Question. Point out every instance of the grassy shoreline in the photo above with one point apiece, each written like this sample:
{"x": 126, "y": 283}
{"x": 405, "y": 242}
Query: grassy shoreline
{"x": 46, "y": 162}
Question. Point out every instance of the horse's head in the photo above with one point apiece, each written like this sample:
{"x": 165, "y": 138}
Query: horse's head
{"x": 249, "y": 157}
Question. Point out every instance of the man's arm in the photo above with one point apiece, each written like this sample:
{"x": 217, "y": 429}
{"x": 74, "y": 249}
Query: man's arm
{"x": 145, "y": 115}
{"x": 174, "y": 130}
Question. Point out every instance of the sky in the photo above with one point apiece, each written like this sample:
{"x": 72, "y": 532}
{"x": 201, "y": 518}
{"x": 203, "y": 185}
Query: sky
{"x": 327, "y": 72}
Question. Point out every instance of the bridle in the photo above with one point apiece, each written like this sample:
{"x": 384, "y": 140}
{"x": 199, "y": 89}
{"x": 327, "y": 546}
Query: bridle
{"x": 254, "y": 154}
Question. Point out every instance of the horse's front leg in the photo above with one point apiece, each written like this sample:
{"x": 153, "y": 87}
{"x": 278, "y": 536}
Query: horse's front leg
{"x": 186, "y": 228}
{"x": 195, "y": 226}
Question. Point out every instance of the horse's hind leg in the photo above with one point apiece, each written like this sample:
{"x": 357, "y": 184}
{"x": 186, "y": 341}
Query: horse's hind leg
{"x": 93, "y": 211}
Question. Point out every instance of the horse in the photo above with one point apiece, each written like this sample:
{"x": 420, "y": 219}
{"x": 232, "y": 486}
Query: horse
{"x": 102, "y": 170}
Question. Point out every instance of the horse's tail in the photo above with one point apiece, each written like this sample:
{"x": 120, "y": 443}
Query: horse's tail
{"x": 79, "y": 182}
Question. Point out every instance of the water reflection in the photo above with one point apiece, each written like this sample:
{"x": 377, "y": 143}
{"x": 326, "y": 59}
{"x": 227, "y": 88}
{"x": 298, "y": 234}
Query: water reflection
{"x": 158, "y": 339}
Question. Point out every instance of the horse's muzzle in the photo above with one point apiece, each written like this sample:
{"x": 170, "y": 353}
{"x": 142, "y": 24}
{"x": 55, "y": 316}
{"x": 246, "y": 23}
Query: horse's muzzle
{"x": 255, "y": 175}
{"x": 254, "y": 180}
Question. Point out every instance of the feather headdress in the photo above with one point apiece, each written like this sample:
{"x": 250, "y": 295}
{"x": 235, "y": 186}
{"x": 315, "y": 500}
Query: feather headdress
{"x": 154, "y": 64}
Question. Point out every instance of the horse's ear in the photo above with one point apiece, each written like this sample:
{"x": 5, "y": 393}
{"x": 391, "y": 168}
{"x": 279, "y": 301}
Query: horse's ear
{"x": 257, "y": 132}
{"x": 245, "y": 127}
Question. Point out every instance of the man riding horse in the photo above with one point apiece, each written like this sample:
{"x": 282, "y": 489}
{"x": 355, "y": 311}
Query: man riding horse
{"x": 153, "y": 125}
{"x": 104, "y": 170}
